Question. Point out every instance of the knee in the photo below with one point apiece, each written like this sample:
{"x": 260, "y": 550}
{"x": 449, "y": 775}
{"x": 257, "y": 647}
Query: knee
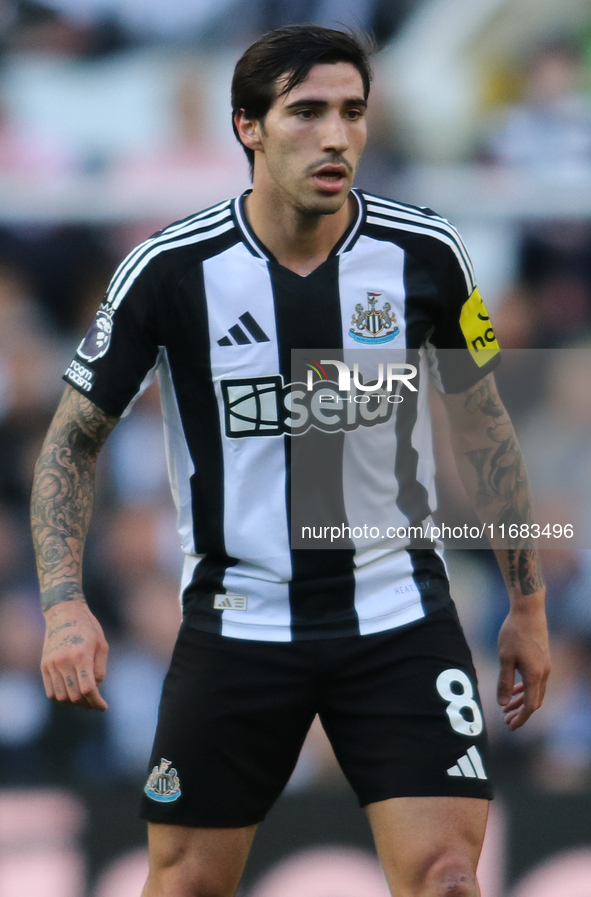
{"x": 450, "y": 876}
{"x": 182, "y": 880}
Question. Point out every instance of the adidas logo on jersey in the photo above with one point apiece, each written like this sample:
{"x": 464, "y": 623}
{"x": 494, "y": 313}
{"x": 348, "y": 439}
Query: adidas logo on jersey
{"x": 470, "y": 765}
{"x": 230, "y": 602}
{"x": 239, "y": 337}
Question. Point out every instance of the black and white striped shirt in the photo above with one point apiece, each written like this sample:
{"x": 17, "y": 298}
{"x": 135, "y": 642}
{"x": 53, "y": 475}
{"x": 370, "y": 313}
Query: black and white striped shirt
{"x": 206, "y": 303}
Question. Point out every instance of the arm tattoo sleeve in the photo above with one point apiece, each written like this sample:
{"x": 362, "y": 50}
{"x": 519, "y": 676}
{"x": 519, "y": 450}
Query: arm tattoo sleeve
{"x": 502, "y": 482}
{"x": 63, "y": 492}
{"x": 500, "y": 468}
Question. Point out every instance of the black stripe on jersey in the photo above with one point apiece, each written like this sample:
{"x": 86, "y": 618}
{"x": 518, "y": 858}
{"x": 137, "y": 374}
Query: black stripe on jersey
{"x": 413, "y": 499}
{"x": 430, "y": 229}
{"x": 199, "y": 412}
{"x": 428, "y": 572}
{"x": 322, "y": 590}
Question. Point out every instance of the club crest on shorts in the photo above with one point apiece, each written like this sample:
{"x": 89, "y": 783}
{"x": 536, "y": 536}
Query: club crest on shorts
{"x": 98, "y": 339}
{"x": 163, "y": 783}
{"x": 371, "y": 324}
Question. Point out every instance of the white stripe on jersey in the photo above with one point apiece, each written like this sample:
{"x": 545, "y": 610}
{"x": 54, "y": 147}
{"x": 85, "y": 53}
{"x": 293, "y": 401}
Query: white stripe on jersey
{"x": 269, "y": 612}
{"x": 178, "y": 457}
{"x": 189, "y": 565}
{"x": 116, "y": 301}
{"x": 422, "y": 434}
{"x": 136, "y": 257}
{"x": 406, "y": 226}
{"x": 369, "y": 452}
{"x": 255, "y": 517}
{"x": 431, "y": 222}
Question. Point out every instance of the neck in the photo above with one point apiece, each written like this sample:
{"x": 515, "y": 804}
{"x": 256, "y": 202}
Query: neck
{"x": 299, "y": 241}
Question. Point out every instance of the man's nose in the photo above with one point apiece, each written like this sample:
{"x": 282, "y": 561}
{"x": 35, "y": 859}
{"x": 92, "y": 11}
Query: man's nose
{"x": 334, "y": 134}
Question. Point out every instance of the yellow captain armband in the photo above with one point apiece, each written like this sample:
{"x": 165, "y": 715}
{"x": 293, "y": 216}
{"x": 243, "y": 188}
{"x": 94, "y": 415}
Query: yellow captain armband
{"x": 479, "y": 335}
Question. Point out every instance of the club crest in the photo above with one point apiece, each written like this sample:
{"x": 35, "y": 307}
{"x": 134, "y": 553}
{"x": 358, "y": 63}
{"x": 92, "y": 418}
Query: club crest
{"x": 371, "y": 324}
{"x": 163, "y": 783}
{"x": 98, "y": 339}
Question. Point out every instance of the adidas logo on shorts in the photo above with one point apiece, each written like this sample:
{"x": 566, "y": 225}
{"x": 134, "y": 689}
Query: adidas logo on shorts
{"x": 470, "y": 766}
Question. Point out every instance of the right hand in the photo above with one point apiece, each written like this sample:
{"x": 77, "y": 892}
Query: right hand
{"x": 74, "y": 660}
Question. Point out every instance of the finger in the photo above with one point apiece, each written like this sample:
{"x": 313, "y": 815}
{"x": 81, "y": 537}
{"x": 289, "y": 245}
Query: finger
{"x": 66, "y": 684}
{"x": 512, "y": 714}
{"x": 71, "y": 681}
{"x": 532, "y": 694}
{"x": 543, "y": 684}
{"x": 92, "y": 702}
{"x": 518, "y": 719}
{"x": 47, "y": 683}
{"x": 515, "y": 702}
{"x": 90, "y": 694}
{"x": 506, "y": 682}
{"x": 509, "y": 720}
{"x": 67, "y": 689}
{"x": 100, "y": 662}
{"x": 95, "y": 701}
{"x": 516, "y": 698}
{"x": 60, "y": 691}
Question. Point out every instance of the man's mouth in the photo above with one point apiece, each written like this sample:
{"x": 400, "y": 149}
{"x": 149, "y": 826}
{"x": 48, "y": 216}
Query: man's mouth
{"x": 330, "y": 178}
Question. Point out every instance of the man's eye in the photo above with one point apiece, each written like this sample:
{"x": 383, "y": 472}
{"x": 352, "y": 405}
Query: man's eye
{"x": 306, "y": 114}
{"x": 354, "y": 114}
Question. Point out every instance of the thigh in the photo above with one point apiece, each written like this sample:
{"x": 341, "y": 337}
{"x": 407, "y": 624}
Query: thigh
{"x": 232, "y": 720}
{"x": 188, "y": 860}
{"x": 419, "y": 839}
{"x": 404, "y": 716}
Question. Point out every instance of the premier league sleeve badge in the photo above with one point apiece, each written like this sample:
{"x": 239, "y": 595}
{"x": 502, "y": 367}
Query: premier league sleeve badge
{"x": 98, "y": 339}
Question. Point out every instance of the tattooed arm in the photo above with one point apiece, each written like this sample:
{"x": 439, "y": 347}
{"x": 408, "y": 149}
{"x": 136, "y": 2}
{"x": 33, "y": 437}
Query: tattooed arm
{"x": 75, "y": 651}
{"x": 491, "y": 467}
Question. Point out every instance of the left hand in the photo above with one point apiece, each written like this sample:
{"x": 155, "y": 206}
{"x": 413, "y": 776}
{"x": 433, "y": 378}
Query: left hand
{"x": 524, "y": 648}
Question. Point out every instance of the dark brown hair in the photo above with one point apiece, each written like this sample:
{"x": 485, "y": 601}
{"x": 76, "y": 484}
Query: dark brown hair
{"x": 291, "y": 51}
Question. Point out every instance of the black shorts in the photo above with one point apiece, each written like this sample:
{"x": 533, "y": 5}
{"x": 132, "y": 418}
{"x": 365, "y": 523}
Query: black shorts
{"x": 401, "y": 710}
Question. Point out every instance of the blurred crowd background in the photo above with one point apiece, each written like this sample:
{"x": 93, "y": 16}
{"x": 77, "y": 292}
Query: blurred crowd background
{"x": 115, "y": 120}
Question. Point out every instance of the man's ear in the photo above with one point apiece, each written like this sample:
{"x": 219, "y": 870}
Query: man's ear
{"x": 249, "y": 130}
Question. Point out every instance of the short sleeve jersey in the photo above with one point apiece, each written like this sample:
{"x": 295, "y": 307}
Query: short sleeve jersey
{"x": 243, "y": 348}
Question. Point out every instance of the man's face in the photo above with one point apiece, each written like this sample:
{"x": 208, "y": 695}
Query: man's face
{"x": 312, "y": 139}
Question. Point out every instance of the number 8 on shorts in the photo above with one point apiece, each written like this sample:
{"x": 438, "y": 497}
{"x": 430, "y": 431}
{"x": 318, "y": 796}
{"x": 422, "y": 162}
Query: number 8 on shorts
{"x": 455, "y": 688}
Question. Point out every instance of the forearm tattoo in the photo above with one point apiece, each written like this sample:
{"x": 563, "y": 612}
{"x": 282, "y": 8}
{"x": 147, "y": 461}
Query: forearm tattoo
{"x": 528, "y": 573}
{"x": 63, "y": 492}
{"x": 502, "y": 479}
